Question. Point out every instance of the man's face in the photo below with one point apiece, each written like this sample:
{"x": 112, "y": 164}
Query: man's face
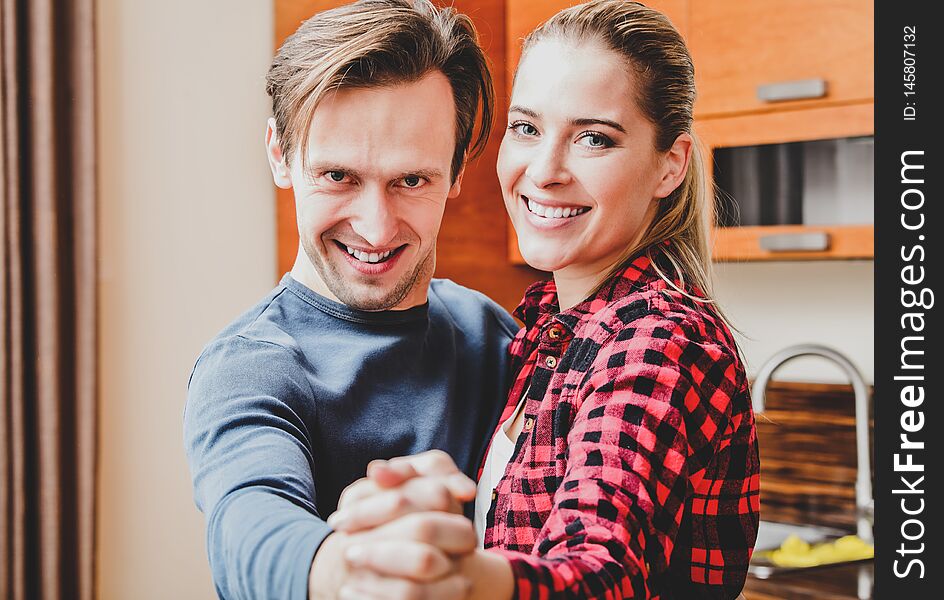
{"x": 371, "y": 201}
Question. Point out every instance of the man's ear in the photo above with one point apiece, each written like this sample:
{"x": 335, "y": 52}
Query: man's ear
{"x": 675, "y": 165}
{"x": 457, "y": 184}
{"x": 280, "y": 171}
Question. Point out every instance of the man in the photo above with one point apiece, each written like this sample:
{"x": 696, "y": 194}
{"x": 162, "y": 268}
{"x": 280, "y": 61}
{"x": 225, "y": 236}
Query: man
{"x": 357, "y": 354}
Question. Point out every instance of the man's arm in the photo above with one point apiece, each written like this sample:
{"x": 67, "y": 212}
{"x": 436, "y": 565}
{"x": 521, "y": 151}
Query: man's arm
{"x": 246, "y": 434}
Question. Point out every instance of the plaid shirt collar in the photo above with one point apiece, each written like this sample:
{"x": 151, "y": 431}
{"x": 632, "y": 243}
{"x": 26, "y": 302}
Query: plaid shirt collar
{"x": 638, "y": 272}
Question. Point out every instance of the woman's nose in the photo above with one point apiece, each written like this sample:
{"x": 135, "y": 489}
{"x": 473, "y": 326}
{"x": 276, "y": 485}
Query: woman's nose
{"x": 548, "y": 167}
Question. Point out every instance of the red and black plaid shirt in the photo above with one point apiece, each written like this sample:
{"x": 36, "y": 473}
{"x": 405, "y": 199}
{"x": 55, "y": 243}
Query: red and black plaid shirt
{"x": 636, "y": 471}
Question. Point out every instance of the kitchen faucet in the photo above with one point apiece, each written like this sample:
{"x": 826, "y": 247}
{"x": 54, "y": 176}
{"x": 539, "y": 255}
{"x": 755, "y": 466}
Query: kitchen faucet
{"x": 863, "y": 485}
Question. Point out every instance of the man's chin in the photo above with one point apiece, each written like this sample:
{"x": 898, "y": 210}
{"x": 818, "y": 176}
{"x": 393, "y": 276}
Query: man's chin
{"x": 387, "y": 291}
{"x": 380, "y": 294}
{"x": 369, "y": 299}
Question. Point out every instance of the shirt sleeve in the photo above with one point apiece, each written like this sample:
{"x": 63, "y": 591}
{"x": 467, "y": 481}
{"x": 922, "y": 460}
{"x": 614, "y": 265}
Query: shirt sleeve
{"x": 649, "y": 418}
{"x": 246, "y": 432}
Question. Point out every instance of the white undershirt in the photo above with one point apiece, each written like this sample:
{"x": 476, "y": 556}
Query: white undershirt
{"x": 496, "y": 461}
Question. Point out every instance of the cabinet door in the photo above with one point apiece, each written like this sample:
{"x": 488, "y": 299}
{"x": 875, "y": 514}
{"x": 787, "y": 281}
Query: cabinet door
{"x": 739, "y": 46}
{"x": 745, "y": 243}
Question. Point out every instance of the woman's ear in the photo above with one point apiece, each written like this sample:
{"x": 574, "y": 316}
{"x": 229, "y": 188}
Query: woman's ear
{"x": 675, "y": 165}
{"x": 280, "y": 171}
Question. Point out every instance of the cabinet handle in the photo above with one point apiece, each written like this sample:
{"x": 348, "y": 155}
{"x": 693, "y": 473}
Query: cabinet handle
{"x": 792, "y": 90}
{"x": 795, "y": 242}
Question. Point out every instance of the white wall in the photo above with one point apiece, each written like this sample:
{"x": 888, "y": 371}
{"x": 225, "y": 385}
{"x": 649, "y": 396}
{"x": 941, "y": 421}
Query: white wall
{"x": 775, "y": 305}
{"x": 187, "y": 242}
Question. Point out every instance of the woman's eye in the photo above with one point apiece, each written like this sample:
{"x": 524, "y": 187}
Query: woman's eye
{"x": 595, "y": 140}
{"x": 526, "y": 129}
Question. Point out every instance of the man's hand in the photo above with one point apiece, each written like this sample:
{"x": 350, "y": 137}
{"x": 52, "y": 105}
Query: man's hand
{"x": 429, "y": 481}
{"x": 415, "y": 556}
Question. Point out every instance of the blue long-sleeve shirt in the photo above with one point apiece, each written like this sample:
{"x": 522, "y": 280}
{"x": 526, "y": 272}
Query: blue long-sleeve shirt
{"x": 288, "y": 404}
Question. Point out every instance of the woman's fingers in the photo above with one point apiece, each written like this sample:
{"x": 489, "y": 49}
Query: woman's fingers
{"x": 436, "y": 463}
{"x": 416, "y": 556}
{"x": 461, "y": 487}
{"x": 390, "y": 474}
{"x": 411, "y": 560}
{"x": 431, "y": 462}
{"x": 398, "y": 471}
{"x": 421, "y": 494}
{"x": 452, "y": 534}
{"x": 357, "y": 491}
{"x": 375, "y": 587}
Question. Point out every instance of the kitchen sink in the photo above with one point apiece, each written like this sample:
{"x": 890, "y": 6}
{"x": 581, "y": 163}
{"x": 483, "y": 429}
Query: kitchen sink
{"x": 771, "y": 535}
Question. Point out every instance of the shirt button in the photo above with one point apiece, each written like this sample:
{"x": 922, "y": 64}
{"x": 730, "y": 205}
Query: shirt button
{"x": 551, "y": 362}
{"x": 528, "y": 423}
{"x": 554, "y": 332}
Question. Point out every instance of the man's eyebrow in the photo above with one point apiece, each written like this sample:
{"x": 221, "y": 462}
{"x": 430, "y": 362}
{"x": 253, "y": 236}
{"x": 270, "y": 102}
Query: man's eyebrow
{"x": 582, "y": 122}
{"x": 315, "y": 169}
{"x": 430, "y": 174}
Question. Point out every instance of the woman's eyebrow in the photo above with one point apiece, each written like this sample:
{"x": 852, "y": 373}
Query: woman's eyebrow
{"x": 607, "y": 122}
{"x": 581, "y": 122}
{"x": 523, "y": 110}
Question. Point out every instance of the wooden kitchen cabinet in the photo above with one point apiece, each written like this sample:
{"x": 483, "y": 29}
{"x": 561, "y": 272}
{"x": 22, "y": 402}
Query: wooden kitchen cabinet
{"x": 739, "y": 46}
{"x": 854, "y": 241}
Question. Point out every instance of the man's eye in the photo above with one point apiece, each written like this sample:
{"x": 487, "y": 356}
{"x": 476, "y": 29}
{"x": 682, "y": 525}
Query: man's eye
{"x": 412, "y": 181}
{"x": 336, "y": 176}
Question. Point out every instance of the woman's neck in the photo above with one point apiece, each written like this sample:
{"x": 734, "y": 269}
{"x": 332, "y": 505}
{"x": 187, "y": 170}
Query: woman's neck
{"x": 575, "y": 282}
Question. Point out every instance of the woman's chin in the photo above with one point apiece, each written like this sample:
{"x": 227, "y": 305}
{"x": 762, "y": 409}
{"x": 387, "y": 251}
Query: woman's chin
{"x": 541, "y": 259}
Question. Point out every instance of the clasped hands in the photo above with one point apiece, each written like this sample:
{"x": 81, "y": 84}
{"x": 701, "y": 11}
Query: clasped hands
{"x": 400, "y": 533}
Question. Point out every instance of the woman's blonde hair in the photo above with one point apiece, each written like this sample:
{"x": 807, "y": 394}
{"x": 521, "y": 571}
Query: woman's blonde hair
{"x": 663, "y": 67}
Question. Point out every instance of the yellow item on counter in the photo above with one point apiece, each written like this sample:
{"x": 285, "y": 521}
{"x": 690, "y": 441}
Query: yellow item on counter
{"x": 794, "y": 552}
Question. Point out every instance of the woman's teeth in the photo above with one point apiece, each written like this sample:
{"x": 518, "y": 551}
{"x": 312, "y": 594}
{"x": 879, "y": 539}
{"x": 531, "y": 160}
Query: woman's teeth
{"x": 369, "y": 257}
{"x": 550, "y": 212}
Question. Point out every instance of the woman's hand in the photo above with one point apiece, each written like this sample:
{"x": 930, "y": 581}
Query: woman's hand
{"x": 429, "y": 481}
{"x": 416, "y": 556}
{"x": 437, "y": 562}
{"x": 397, "y": 537}
{"x": 420, "y": 555}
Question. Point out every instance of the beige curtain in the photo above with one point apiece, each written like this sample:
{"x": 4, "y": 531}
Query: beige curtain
{"x": 47, "y": 300}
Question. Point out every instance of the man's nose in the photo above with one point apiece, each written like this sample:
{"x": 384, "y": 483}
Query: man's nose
{"x": 548, "y": 166}
{"x": 375, "y": 218}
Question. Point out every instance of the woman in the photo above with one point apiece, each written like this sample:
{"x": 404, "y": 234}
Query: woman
{"x": 634, "y": 471}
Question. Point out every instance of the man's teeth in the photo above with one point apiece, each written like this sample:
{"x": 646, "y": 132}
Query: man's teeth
{"x": 368, "y": 257}
{"x": 549, "y": 212}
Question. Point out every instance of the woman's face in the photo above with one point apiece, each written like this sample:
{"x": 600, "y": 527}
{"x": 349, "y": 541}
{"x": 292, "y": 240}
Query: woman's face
{"x": 578, "y": 167}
